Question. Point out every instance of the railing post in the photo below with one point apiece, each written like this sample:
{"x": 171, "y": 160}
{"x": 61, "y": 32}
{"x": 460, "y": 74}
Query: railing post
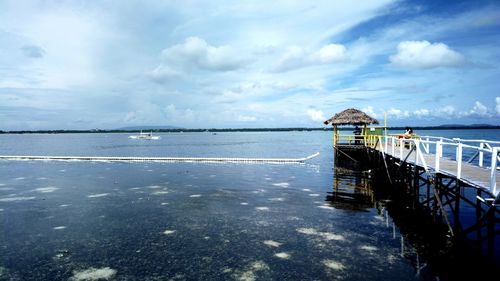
{"x": 428, "y": 145}
{"x": 401, "y": 149}
{"x": 493, "y": 177}
{"x": 386, "y": 143}
{"x": 393, "y": 140}
{"x": 459, "y": 160}
{"x": 417, "y": 151}
{"x": 439, "y": 149}
{"x": 481, "y": 154}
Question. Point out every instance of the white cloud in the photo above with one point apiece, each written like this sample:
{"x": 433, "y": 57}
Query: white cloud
{"x": 442, "y": 112}
{"x": 479, "y": 110}
{"x": 103, "y": 57}
{"x": 447, "y": 111}
{"x": 245, "y": 118}
{"x": 130, "y": 117}
{"x": 293, "y": 58}
{"x": 178, "y": 116}
{"x": 163, "y": 74}
{"x": 497, "y": 107}
{"x": 394, "y": 112}
{"x": 278, "y": 23}
{"x": 398, "y": 113}
{"x": 296, "y": 57}
{"x": 67, "y": 39}
{"x": 148, "y": 113}
{"x": 282, "y": 85}
{"x": 196, "y": 52}
{"x": 370, "y": 111}
{"x": 330, "y": 53}
{"x": 247, "y": 87}
{"x": 425, "y": 55}
{"x": 316, "y": 115}
{"x": 422, "y": 113}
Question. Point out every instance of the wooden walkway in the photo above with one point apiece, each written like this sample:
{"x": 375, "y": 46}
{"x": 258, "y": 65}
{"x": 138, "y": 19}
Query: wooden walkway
{"x": 471, "y": 174}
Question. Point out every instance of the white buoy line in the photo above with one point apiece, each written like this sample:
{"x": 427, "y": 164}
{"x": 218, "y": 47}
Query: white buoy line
{"x": 158, "y": 159}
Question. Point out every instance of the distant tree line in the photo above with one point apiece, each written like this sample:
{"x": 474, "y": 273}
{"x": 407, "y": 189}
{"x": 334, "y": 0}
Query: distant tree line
{"x": 214, "y": 130}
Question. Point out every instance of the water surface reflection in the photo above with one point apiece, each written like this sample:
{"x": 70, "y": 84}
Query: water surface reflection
{"x": 140, "y": 221}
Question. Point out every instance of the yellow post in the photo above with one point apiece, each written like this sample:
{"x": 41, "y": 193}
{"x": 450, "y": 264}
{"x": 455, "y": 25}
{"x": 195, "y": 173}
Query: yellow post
{"x": 334, "y": 134}
{"x": 385, "y": 123}
{"x": 364, "y": 133}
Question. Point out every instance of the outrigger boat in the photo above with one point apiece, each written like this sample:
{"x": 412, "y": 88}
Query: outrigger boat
{"x": 145, "y": 136}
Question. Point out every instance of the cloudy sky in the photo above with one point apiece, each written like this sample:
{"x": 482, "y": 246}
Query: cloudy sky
{"x": 220, "y": 64}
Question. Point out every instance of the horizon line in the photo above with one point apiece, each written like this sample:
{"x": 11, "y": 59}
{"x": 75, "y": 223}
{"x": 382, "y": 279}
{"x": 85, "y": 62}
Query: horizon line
{"x": 326, "y": 128}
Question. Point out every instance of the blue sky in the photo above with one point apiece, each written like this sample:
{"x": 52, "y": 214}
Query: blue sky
{"x": 221, "y": 64}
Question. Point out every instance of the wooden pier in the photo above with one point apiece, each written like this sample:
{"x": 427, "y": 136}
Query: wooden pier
{"x": 472, "y": 174}
{"x": 463, "y": 195}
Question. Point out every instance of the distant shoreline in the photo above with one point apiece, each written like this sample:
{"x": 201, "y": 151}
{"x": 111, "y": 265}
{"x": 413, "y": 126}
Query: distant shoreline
{"x": 213, "y": 130}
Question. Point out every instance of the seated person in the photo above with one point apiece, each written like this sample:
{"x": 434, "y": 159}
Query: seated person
{"x": 357, "y": 133}
{"x": 408, "y": 135}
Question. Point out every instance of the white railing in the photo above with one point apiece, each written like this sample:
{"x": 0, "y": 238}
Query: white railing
{"x": 481, "y": 149}
{"x": 481, "y": 146}
{"x": 494, "y": 165}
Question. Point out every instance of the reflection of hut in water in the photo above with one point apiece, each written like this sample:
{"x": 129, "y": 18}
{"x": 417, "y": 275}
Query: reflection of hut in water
{"x": 351, "y": 190}
{"x": 348, "y": 147}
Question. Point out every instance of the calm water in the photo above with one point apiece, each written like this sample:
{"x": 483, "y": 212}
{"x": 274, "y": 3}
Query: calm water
{"x": 186, "y": 221}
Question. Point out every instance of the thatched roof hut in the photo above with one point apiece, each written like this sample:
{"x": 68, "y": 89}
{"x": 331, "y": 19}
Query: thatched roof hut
{"x": 351, "y": 116}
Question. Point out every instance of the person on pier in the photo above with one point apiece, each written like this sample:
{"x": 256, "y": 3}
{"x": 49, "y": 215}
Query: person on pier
{"x": 357, "y": 133}
{"x": 408, "y": 135}
{"x": 407, "y": 132}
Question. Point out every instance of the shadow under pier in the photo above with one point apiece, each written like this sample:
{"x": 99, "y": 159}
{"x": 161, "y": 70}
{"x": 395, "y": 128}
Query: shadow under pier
{"x": 454, "y": 223}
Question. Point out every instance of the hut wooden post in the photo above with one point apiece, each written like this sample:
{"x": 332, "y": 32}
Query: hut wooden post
{"x": 385, "y": 124}
{"x": 365, "y": 134}
{"x": 335, "y": 136}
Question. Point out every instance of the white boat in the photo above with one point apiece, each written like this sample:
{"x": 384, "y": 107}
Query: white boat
{"x": 145, "y": 136}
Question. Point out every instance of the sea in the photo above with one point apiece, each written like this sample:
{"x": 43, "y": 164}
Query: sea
{"x": 75, "y": 220}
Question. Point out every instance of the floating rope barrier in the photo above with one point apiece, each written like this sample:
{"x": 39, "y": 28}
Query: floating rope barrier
{"x": 158, "y": 159}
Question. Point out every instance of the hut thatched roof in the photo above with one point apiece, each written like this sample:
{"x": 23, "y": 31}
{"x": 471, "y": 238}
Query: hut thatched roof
{"x": 351, "y": 116}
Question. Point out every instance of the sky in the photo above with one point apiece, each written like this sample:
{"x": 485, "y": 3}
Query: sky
{"x": 246, "y": 64}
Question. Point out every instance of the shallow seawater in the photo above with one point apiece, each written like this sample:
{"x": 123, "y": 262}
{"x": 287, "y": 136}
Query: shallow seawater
{"x": 187, "y": 221}
{"x": 146, "y": 221}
